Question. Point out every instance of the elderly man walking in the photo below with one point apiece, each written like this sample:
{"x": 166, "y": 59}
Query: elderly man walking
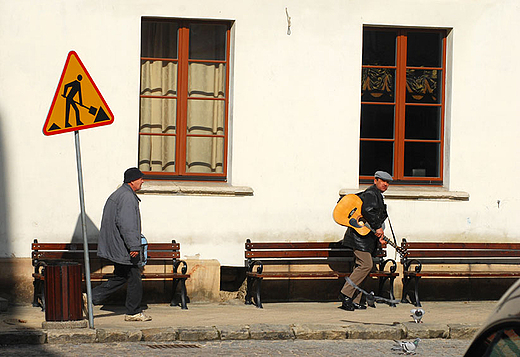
{"x": 120, "y": 242}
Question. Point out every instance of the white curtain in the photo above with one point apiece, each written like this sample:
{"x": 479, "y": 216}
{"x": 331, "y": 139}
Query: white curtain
{"x": 205, "y": 117}
{"x": 158, "y": 116}
{"x": 205, "y": 154}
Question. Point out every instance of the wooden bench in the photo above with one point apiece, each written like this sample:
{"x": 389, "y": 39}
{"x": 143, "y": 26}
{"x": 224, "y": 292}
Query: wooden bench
{"x": 436, "y": 255}
{"x": 310, "y": 260}
{"x": 162, "y": 264}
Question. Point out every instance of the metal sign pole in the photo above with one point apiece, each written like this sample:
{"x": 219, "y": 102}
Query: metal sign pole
{"x": 84, "y": 230}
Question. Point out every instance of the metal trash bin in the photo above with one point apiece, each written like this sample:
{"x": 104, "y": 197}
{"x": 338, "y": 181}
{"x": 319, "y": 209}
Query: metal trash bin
{"x": 63, "y": 292}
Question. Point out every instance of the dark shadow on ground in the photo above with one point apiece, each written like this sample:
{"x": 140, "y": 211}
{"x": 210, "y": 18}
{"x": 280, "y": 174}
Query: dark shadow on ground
{"x": 14, "y": 334}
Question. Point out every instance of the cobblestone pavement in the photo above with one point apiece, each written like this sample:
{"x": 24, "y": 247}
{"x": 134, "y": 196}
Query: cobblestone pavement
{"x": 432, "y": 347}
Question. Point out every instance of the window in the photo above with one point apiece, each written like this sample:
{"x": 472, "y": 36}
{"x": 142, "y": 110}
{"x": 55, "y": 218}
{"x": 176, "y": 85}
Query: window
{"x": 183, "y": 129}
{"x": 402, "y": 104}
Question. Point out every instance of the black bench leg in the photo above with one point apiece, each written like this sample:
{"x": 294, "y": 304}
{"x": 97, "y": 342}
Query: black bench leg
{"x": 392, "y": 296}
{"x": 182, "y": 292}
{"x": 175, "y": 282}
{"x": 406, "y": 282}
{"x": 36, "y": 293}
{"x": 249, "y": 295}
{"x": 382, "y": 281}
{"x": 184, "y": 295}
{"x": 258, "y": 289}
{"x": 42, "y": 296}
{"x": 417, "y": 301}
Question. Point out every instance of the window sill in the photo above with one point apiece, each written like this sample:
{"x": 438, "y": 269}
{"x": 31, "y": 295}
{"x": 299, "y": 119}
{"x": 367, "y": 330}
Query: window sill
{"x": 415, "y": 193}
{"x": 194, "y": 188}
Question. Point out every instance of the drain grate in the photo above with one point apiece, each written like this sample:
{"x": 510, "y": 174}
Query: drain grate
{"x": 173, "y": 345}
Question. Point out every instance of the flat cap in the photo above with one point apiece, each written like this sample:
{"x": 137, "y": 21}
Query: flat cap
{"x": 385, "y": 176}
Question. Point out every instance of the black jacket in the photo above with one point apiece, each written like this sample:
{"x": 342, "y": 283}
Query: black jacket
{"x": 374, "y": 211}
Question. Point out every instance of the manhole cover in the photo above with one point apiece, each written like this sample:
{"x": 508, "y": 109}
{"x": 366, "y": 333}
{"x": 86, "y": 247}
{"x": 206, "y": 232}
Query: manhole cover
{"x": 173, "y": 345}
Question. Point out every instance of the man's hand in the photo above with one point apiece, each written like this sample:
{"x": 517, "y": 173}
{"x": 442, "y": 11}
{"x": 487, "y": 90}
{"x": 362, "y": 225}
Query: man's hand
{"x": 134, "y": 254}
{"x": 380, "y": 234}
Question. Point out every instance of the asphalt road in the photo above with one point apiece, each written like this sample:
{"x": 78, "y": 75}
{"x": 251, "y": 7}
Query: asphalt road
{"x": 430, "y": 347}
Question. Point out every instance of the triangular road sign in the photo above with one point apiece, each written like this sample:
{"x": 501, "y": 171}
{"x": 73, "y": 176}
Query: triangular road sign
{"x": 78, "y": 103}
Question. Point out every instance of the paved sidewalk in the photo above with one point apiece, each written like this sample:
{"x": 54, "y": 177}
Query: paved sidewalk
{"x": 234, "y": 320}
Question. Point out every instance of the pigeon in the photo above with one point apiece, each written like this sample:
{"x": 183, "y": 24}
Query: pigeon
{"x": 417, "y": 315}
{"x": 371, "y": 299}
{"x": 406, "y": 347}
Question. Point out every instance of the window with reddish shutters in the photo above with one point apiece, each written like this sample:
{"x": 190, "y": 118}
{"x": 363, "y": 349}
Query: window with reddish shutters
{"x": 184, "y": 101}
{"x": 402, "y": 104}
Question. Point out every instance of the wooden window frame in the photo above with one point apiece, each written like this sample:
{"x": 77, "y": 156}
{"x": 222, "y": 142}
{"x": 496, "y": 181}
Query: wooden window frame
{"x": 400, "y": 108}
{"x": 183, "y": 61}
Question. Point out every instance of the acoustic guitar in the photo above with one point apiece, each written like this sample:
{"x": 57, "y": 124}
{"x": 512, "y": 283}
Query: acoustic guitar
{"x": 348, "y": 213}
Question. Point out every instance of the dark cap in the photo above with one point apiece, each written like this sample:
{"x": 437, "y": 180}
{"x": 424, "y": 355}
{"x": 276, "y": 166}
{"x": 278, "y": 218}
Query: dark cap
{"x": 132, "y": 174}
{"x": 385, "y": 176}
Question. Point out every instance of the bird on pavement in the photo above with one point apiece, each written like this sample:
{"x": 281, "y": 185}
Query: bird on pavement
{"x": 417, "y": 315}
{"x": 407, "y": 347}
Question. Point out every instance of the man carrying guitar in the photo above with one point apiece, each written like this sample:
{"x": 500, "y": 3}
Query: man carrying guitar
{"x": 374, "y": 212}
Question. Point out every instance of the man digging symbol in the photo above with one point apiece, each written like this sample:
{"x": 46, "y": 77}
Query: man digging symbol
{"x": 75, "y": 87}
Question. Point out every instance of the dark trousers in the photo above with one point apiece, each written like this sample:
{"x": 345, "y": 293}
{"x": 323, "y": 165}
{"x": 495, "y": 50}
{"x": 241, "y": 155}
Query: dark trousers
{"x": 130, "y": 274}
{"x": 364, "y": 265}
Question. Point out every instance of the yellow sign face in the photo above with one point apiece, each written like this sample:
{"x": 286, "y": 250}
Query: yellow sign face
{"x": 78, "y": 103}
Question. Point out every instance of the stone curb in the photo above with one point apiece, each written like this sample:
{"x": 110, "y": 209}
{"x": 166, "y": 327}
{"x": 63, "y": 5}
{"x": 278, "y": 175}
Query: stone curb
{"x": 367, "y": 331}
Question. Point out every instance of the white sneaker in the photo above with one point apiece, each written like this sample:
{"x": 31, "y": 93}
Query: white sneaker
{"x": 138, "y": 317}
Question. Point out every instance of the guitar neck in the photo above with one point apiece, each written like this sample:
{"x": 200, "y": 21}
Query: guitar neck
{"x": 390, "y": 242}
{"x": 399, "y": 249}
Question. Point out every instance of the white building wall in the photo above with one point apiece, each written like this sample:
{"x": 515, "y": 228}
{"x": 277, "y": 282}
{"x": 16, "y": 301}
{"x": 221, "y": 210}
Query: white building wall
{"x": 294, "y": 120}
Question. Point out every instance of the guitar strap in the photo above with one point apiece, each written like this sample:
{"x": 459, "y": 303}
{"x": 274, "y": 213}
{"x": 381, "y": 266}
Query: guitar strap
{"x": 391, "y": 229}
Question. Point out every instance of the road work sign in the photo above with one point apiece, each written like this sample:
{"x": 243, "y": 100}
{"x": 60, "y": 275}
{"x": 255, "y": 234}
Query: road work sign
{"x": 78, "y": 103}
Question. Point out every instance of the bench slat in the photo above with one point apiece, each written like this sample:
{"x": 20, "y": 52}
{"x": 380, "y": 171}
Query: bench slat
{"x": 298, "y": 254}
{"x": 434, "y": 245}
{"x": 62, "y": 246}
{"x": 462, "y": 253}
{"x": 103, "y": 276}
{"x": 93, "y": 246}
{"x": 62, "y": 255}
{"x": 331, "y": 274}
{"x": 79, "y": 255}
{"x": 163, "y": 255}
{"x": 295, "y": 245}
{"x": 464, "y": 273}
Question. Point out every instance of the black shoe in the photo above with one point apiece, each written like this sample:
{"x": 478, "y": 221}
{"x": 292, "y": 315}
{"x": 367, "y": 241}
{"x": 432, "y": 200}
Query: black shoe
{"x": 359, "y": 306}
{"x": 347, "y": 307}
{"x": 346, "y": 303}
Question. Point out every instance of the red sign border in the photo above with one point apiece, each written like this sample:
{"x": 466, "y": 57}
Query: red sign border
{"x": 56, "y": 95}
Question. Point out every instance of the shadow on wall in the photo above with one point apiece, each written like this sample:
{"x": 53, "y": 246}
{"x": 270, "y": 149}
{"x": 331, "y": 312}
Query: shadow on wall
{"x": 6, "y": 286}
{"x": 92, "y": 231}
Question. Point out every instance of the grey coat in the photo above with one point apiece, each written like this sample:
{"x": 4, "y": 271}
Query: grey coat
{"x": 120, "y": 231}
